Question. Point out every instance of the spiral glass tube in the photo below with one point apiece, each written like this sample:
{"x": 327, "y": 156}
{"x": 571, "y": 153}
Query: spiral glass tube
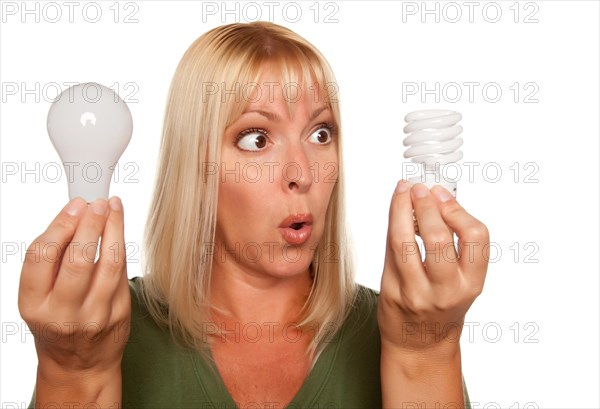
{"x": 434, "y": 142}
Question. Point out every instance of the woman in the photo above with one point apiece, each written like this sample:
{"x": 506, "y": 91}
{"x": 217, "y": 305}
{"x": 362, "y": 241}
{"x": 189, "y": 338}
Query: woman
{"x": 248, "y": 297}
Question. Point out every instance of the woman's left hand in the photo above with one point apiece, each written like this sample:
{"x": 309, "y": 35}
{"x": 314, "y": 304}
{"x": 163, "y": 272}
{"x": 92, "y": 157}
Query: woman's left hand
{"x": 422, "y": 305}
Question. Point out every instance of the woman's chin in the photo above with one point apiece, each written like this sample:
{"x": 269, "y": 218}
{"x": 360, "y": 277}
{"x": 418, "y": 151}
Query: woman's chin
{"x": 288, "y": 269}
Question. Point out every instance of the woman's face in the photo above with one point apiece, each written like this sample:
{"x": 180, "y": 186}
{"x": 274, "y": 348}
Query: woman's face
{"x": 276, "y": 174}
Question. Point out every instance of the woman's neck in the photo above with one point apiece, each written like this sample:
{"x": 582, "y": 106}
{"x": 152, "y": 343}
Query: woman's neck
{"x": 253, "y": 297}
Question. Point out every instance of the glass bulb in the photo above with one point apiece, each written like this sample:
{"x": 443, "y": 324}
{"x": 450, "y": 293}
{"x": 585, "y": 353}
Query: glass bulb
{"x": 434, "y": 142}
{"x": 90, "y": 126}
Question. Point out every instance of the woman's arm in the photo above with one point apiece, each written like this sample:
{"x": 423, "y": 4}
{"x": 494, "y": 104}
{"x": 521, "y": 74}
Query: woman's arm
{"x": 60, "y": 389}
{"x": 77, "y": 309}
{"x": 422, "y": 379}
{"x": 422, "y": 304}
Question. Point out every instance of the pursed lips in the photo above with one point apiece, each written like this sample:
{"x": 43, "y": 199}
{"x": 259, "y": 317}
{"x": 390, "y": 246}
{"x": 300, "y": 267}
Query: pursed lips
{"x": 296, "y": 229}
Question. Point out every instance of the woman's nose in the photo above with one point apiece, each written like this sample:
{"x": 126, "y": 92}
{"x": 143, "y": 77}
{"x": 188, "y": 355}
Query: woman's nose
{"x": 296, "y": 171}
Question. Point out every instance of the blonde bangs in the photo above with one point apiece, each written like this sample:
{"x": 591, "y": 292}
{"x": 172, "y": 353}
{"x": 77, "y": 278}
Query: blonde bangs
{"x": 297, "y": 65}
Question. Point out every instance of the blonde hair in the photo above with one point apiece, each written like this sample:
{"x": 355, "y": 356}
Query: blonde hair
{"x": 180, "y": 228}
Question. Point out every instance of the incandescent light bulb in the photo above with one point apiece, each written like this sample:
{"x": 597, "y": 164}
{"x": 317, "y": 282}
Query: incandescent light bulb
{"x": 90, "y": 126}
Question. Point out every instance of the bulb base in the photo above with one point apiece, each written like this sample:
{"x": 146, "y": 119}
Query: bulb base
{"x": 431, "y": 179}
{"x": 91, "y": 181}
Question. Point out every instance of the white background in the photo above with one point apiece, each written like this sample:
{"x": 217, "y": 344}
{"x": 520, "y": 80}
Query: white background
{"x": 546, "y": 309}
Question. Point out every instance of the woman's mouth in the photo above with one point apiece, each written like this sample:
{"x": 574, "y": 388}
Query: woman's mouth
{"x": 296, "y": 229}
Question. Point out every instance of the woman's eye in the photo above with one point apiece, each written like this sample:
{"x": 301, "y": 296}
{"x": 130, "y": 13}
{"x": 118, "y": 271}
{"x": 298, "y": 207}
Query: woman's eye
{"x": 321, "y": 136}
{"x": 252, "y": 140}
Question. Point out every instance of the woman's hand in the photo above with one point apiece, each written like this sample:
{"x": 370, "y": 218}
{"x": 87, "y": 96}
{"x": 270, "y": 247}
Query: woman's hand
{"x": 422, "y": 305}
{"x": 78, "y": 310}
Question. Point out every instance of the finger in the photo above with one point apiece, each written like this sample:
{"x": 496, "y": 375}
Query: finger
{"x": 121, "y": 304}
{"x": 111, "y": 263}
{"x": 43, "y": 257}
{"x": 401, "y": 237}
{"x": 473, "y": 236}
{"x": 438, "y": 240}
{"x": 75, "y": 274}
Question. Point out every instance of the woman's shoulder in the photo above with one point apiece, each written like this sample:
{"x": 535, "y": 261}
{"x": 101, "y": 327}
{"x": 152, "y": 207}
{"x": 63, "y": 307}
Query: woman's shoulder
{"x": 145, "y": 330}
{"x": 352, "y": 361}
{"x": 153, "y": 363}
{"x": 138, "y": 309}
{"x": 135, "y": 286}
{"x": 138, "y": 304}
{"x": 364, "y": 307}
{"x": 360, "y": 330}
{"x": 366, "y": 294}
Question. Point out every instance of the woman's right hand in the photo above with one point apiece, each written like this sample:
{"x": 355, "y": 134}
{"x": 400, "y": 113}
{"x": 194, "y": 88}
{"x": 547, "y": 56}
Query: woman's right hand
{"x": 78, "y": 310}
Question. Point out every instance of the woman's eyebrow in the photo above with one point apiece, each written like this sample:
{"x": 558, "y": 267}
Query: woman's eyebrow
{"x": 274, "y": 117}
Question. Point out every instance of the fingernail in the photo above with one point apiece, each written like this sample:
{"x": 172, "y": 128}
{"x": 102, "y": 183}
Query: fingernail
{"x": 442, "y": 194}
{"x": 75, "y": 206}
{"x": 402, "y": 186}
{"x": 99, "y": 206}
{"x": 115, "y": 204}
{"x": 420, "y": 190}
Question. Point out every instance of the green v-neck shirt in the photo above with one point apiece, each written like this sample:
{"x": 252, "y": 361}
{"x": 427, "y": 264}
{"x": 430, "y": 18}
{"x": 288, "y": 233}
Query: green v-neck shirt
{"x": 157, "y": 373}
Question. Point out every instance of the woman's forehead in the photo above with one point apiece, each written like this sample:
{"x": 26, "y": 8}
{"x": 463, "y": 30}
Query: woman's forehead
{"x": 275, "y": 86}
{"x": 278, "y": 102}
